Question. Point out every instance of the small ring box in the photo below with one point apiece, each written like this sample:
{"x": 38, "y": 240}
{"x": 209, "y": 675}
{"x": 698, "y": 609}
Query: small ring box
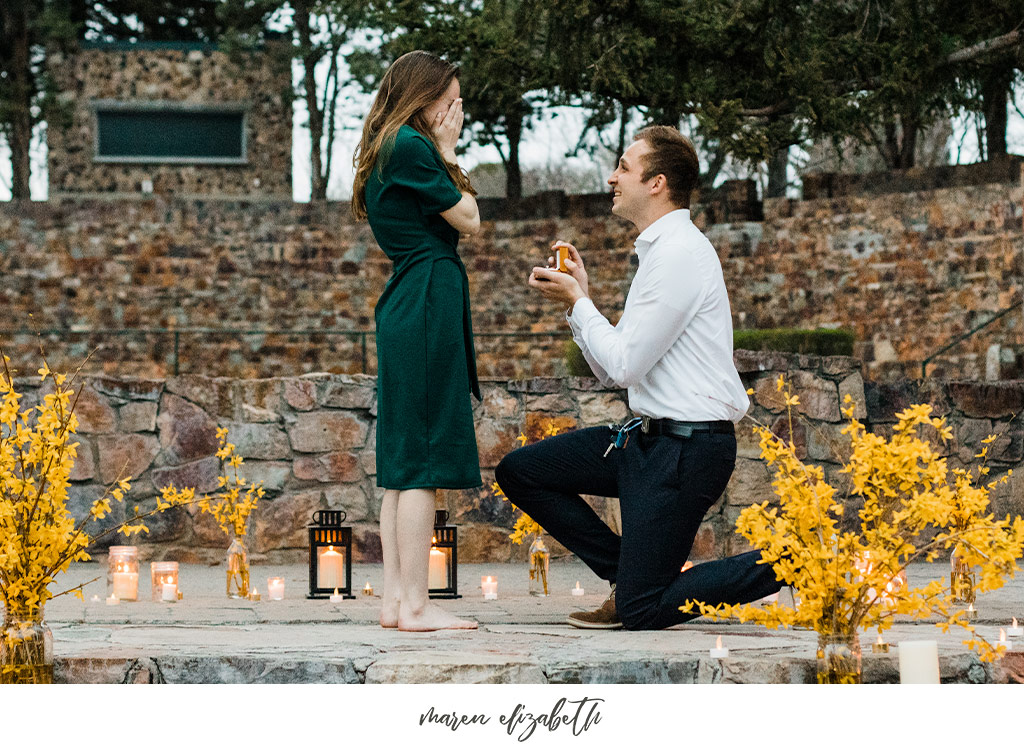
{"x": 561, "y": 254}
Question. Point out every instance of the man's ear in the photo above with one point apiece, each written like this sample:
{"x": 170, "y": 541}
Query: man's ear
{"x": 659, "y": 185}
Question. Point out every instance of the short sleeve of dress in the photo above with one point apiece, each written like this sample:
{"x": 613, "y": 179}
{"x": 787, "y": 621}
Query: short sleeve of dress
{"x": 415, "y": 165}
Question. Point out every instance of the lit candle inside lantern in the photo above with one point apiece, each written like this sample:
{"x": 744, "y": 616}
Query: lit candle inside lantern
{"x": 368, "y": 590}
{"x": 880, "y": 647}
{"x": 437, "y": 573}
{"x": 718, "y": 651}
{"x": 337, "y": 597}
{"x": 169, "y": 592}
{"x": 126, "y": 585}
{"x": 275, "y": 588}
{"x": 1003, "y": 642}
{"x": 1015, "y": 630}
{"x": 254, "y": 595}
{"x": 489, "y": 586}
{"x": 113, "y": 600}
{"x": 919, "y": 661}
{"x": 330, "y": 571}
{"x": 578, "y": 591}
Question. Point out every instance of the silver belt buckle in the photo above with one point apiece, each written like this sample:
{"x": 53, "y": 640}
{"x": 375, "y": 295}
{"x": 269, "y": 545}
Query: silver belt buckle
{"x": 645, "y": 423}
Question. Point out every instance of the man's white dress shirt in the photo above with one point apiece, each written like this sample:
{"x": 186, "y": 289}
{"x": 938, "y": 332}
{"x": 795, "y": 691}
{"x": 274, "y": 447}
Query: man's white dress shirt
{"x": 672, "y": 348}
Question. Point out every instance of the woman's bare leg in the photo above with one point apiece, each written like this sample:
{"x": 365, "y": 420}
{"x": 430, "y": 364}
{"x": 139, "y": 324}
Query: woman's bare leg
{"x": 390, "y": 592}
{"x": 415, "y": 526}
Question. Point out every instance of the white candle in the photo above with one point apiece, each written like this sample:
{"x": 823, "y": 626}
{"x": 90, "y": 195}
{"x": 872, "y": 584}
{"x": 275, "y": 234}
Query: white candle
{"x": 275, "y": 588}
{"x": 337, "y": 597}
{"x": 113, "y": 600}
{"x": 95, "y": 598}
{"x": 719, "y": 652}
{"x": 489, "y": 586}
{"x": 437, "y": 572}
{"x": 919, "y": 661}
{"x": 1015, "y": 630}
{"x": 1003, "y": 642}
{"x": 368, "y": 590}
{"x": 169, "y": 592}
{"x": 126, "y": 585}
{"x": 330, "y": 572}
{"x": 578, "y": 591}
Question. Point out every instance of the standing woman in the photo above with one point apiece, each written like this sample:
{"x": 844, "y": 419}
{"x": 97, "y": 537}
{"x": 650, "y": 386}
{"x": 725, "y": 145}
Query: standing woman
{"x": 417, "y": 200}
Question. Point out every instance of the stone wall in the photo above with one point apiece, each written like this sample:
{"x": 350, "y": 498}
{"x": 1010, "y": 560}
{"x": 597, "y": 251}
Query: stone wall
{"x": 312, "y": 436}
{"x": 907, "y": 272}
{"x": 170, "y": 73}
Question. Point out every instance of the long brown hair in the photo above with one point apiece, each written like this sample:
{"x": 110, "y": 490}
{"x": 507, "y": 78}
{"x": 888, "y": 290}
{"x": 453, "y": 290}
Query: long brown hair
{"x": 413, "y": 82}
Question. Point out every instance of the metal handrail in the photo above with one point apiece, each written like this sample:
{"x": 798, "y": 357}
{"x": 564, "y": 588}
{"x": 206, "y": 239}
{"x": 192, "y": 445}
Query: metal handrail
{"x": 178, "y": 332}
{"x": 960, "y": 338}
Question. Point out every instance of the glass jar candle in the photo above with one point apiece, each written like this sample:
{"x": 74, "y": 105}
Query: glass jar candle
{"x": 123, "y": 573}
{"x": 163, "y": 576}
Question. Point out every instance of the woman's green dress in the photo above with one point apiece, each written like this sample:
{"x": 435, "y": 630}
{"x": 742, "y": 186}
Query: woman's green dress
{"x": 426, "y": 365}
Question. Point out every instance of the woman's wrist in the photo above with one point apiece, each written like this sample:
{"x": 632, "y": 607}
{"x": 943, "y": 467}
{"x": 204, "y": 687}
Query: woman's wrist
{"x": 450, "y": 156}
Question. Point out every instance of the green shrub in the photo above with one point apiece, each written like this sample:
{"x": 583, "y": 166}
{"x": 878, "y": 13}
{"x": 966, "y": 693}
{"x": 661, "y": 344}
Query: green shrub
{"x": 574, "y": 361}
{"x": 821, "y": 342}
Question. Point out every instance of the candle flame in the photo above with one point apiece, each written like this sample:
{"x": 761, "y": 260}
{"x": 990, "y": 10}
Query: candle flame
{"x": 1014, "y": 622}
{"x": 1002, "y": 634}
{"x": 577, "y": 585}
{"x": 433, "y": 540}
{"x": 718, "y": 642}
{"x": 367, "y": 585}
{"x": 489, "y": 579}
{"x": 335, "y": 591}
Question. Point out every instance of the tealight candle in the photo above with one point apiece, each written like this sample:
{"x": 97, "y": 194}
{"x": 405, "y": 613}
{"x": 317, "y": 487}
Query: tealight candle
{"x": 880, "y": 647}
{"x": 719, "y": 652}
{"x": 337, "y": 597}
{"x": 578, "y": 591}
{"x": 919, "y": 661}
{"x": 1015, "y": 630}
{"x": 254, "y": 595}
{"x": 368, "y": 590}
{"x": 1003, "y": 642}
{"x": 489, "y": 586}
{"x": 972, "y": 614}
{"x": 113, "y": 600}
{"x": 275, "y": 588}
{"x": 95, "y": 598}
{"x": 169, "y": 593}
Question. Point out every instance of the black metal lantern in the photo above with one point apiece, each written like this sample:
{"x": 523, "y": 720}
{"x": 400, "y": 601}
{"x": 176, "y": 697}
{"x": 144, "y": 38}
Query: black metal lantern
{"x": 330, "y": 555}
{"x": 443, "y": 571}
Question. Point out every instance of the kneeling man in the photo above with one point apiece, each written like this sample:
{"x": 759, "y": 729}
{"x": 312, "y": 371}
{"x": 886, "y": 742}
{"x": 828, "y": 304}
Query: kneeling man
{"x": 672, "y": 350}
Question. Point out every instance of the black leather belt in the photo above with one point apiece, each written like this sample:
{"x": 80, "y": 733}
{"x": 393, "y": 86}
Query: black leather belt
{"x": 674, "y": 428}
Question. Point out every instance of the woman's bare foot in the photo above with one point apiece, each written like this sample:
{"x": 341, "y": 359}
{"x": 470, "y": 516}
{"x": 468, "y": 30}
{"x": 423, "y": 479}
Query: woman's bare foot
{"x": 389, "y": 614}
{"x": 431, "y": 618}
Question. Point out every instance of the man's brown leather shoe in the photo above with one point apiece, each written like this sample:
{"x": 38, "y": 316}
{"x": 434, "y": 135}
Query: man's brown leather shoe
{"x": 604, "y": 617}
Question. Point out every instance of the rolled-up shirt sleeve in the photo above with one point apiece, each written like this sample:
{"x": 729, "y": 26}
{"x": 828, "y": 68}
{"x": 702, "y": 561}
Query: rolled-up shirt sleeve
{"x": 661, "y": 305}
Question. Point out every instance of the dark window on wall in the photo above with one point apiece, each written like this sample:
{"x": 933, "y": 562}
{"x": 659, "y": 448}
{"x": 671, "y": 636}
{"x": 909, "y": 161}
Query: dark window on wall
{"x": 133, "y": 132}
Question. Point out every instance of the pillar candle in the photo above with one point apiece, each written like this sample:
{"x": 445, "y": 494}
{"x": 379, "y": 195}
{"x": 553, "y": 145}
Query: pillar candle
{"x": 578, "y": 591}
{"x": 919, "y": 662}
{"x": 126, "y": 585}
{"x": 330, "y": 572}
{"x": 437, "y": 574}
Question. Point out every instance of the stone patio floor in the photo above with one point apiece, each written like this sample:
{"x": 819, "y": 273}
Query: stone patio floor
{"x": 208, "y": 638}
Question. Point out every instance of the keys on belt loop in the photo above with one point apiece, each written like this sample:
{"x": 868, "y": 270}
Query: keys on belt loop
{"x": 621, "y": 437}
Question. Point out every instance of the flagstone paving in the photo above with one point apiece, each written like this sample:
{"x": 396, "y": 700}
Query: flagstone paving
{"x": 208, "y": 638}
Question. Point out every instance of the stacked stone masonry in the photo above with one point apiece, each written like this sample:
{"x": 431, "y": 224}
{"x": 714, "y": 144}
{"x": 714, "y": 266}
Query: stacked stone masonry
{"x": 907, "y": 272}
{"x": 165, "y": 74}
{"x": 312, "y": 437}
